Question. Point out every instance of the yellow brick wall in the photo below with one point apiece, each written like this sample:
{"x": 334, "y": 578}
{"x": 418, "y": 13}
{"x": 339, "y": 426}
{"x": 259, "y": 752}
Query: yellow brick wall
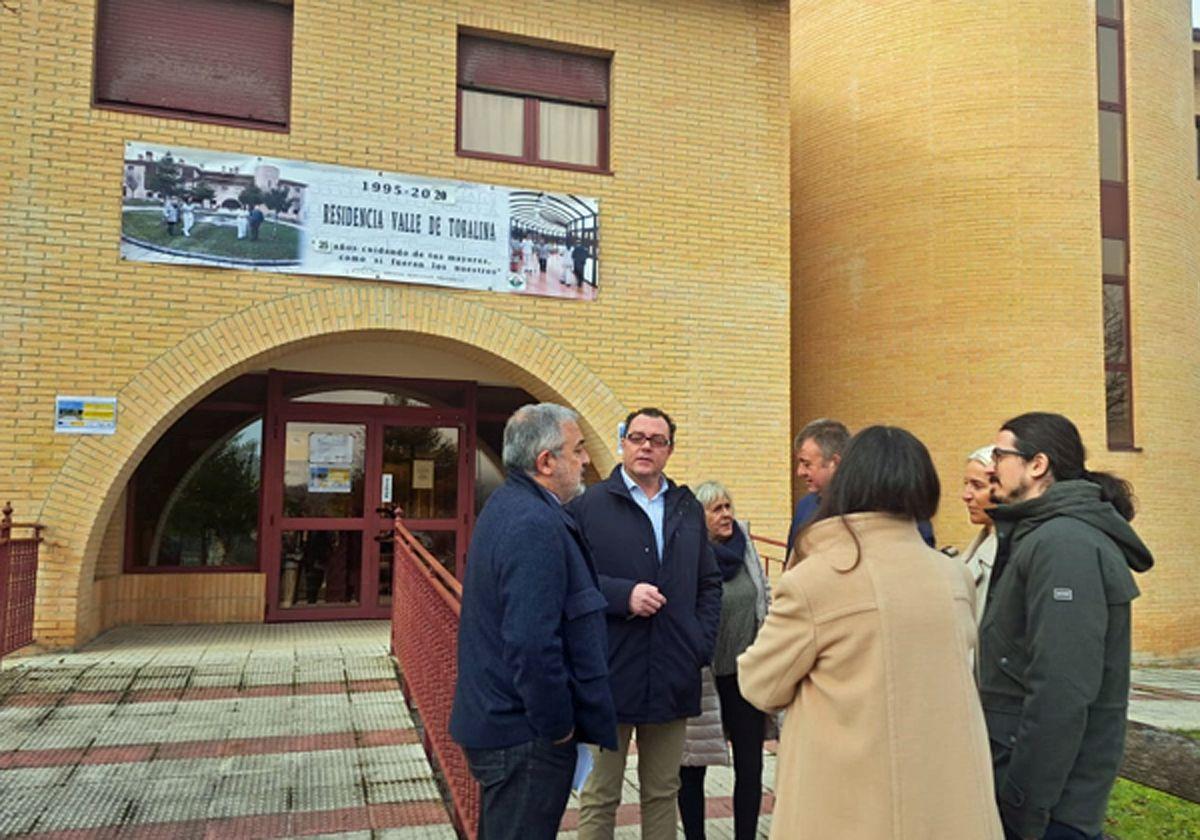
{"x": 693, "y": 308}
{"x": 946, "y": 244}
{"x": 1165, "y": 295}
{"x": 111, "y": 559}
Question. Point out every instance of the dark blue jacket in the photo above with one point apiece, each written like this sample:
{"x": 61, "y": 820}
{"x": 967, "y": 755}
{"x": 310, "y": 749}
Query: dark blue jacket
{"x": 532, "y": 656}
{"x": 806, "y": 509}
{"x": 654, "y": 662}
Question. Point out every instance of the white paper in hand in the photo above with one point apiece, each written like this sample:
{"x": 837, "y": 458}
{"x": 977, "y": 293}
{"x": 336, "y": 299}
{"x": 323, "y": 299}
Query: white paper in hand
{"x": 583, "y": 766}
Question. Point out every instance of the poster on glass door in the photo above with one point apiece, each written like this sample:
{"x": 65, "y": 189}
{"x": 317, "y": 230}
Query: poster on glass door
{"x": 244, "y": 211}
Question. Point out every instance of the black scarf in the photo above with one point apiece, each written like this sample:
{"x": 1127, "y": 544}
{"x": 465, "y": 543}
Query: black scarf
{"x": 731, "y": 554}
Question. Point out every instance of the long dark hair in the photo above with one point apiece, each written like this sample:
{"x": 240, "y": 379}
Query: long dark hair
{"x": 1057, "y": 438}
{"x": 883, "y": 469}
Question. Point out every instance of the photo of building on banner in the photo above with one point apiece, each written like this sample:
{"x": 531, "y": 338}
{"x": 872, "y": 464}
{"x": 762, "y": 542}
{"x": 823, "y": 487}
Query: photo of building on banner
{"x": 240, "y": 211}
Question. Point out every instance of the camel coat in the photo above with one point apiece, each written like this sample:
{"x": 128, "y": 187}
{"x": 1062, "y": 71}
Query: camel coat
{"x": 884, "y": 738}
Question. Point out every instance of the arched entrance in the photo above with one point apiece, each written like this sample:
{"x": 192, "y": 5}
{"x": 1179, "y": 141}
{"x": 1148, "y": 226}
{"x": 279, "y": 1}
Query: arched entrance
{"x": 296, "y": 475}
{"x": 96, "y": 472}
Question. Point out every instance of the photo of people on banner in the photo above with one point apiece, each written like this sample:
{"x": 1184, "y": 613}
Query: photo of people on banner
{"x": 554, "y": 244}
{"x": 241, "y": 211}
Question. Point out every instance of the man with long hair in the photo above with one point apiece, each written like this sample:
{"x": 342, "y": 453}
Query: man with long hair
{"x": 1054, "y": 645}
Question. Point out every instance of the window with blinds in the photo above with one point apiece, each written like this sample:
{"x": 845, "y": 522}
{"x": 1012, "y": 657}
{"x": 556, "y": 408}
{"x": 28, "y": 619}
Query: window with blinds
{"x": 532, "y": 104}
{"x": 226, "y": 61}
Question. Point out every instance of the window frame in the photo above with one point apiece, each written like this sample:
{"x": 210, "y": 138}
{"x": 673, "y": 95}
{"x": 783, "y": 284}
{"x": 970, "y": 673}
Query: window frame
{"x": 1114, "y": 224}
{"x": 531, "y": 102}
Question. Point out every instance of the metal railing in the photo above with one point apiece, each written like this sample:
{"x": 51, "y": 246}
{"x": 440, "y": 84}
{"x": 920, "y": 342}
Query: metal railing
{"x": 770, "y": 551}
{"x": 18, "y": 581}
{"x": 426, "y": 601}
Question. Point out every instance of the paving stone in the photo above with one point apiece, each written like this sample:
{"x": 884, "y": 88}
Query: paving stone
{"x": 129, "y": 773}
{"x": 170, "y": 809}
{"x": 22, "y": 778}
{"x": 327, "y": 797}
{"x": 411, "y": 790}
{"x": 418, "y": 832}
{"x": 23, "y": 807}
{"x": 86, "y": 806}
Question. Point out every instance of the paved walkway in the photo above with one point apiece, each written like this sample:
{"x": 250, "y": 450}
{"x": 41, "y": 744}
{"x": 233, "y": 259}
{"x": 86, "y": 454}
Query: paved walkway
{"x": 230, "y": 731}
{"x": 227, "y": 731}
{"x": 265, "y": 731}
{"x": 1168, "y": 698}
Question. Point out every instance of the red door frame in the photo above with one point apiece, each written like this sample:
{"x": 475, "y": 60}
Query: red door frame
{"x": 272, "y": 524}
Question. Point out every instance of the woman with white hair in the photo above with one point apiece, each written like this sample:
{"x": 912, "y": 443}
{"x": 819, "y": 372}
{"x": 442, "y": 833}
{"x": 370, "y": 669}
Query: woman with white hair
{"x": 977, "y": 495}
{"x": 745, "y": 596}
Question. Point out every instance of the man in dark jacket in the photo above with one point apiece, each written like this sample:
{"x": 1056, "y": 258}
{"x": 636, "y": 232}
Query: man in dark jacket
{"x": 1054, "y": 643}
{"x": 532, "y": 656}
{"x": 662, "y": 588}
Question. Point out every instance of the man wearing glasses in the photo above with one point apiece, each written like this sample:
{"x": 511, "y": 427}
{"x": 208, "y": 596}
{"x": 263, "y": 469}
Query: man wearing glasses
{"x": 662, "y": 586}
{"x": 1054, "y": 644}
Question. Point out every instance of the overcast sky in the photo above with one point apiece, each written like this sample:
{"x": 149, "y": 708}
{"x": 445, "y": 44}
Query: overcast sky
{"x": 1196, "y": 13}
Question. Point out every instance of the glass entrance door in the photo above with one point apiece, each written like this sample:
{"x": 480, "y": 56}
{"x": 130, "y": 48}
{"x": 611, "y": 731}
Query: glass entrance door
{"x": 323, "y": 520}
{"x": 421, "y": 476}
{"x": 326, "y": 554}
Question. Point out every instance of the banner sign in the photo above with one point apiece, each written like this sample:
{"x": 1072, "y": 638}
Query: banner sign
{"x": 242, "y": 211}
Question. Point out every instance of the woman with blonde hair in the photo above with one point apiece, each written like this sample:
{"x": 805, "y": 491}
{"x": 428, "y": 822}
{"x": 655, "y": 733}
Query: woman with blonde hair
{"x": 977, "y": 496}
{"x": 868, "y": 645}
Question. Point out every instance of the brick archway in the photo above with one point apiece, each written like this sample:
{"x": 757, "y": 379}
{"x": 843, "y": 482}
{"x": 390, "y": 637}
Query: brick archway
{"x": 89, "y": 483}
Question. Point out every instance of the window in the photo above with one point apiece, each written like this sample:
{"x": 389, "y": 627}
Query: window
{"x": 532, "y": 104}
{"x": 1114, "y": 224}
{"x": 226, "y": 61}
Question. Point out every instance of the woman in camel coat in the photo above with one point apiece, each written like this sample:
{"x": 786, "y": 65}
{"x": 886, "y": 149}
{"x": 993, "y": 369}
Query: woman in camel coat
{"x": 868, "y": 646}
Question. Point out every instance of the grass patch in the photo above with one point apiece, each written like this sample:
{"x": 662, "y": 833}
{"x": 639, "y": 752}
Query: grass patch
{"x": 1136, "y": 812}
{"x": 1194, "y": 734}
{"x": 214, "y": 236}
{"x": 142, "y": 202}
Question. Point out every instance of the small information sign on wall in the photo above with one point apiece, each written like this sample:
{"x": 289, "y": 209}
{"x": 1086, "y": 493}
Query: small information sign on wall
{"x": 85, "y": 415}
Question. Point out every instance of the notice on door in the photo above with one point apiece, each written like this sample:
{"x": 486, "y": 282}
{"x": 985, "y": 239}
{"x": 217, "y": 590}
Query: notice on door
{"x": 330, "y": 448}
{"x": 386, "y": 488}
{"x": 325, "y": 479}
{"x": 422, "y": 475}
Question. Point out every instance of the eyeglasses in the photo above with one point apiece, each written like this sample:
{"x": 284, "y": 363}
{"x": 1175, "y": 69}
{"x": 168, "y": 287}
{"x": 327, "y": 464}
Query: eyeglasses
{"x": 999, "y": 452}
{"x": 656, "y": 441}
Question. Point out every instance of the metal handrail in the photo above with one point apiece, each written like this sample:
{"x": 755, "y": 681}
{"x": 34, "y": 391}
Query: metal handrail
{"x": 426, "y": 604}
{"x": 18, "y": 581}
{"x": 768, "y": 559}
{"x": 444, "y": 584}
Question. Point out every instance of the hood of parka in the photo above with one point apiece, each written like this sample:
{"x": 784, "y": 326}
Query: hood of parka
{"x": 1077, "y": 499}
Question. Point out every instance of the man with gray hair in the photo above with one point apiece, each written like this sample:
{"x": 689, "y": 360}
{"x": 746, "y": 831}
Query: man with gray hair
{"x": 532, "y": 646}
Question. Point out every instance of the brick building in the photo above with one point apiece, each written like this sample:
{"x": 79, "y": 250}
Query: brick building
{"x": 222, "y": 375}
{"x": 970, "y": 199}
{"x": 976, "y": 193}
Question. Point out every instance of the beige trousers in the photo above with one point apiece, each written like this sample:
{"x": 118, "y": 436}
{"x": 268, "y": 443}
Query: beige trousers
{"x": 660, "y": 746}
